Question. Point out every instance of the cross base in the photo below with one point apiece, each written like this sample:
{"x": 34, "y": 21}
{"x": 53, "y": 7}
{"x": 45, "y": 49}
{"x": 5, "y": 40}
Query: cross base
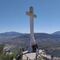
{"x": 34, "y": 47}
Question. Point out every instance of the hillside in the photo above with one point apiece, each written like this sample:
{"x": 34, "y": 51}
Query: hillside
{"x": 8, "y": 36}
{"x": 57, "y": 33}
{"x": 18, "y": 39}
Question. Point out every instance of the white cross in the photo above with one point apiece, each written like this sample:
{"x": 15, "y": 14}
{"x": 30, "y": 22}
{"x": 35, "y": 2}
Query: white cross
{"x": 31, "y": 14}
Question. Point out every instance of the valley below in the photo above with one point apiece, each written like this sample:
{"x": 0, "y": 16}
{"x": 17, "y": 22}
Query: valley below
{"x": 48, "y": 42}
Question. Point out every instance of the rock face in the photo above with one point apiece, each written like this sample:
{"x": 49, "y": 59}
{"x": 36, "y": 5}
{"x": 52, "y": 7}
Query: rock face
{"x": 36, "y": 55}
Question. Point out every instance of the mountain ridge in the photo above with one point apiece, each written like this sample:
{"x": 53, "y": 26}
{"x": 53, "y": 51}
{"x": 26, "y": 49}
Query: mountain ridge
{"x": 57, "y": 33}
{"x": 43, "y": 39}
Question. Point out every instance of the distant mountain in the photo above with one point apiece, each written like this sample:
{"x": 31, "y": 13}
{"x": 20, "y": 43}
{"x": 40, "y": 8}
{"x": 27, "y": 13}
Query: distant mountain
{"x": 57, "y": 33}
{"x": 19, "y": 39}
{"x": 43, "y": 40}
{"x": 8, "y": 36}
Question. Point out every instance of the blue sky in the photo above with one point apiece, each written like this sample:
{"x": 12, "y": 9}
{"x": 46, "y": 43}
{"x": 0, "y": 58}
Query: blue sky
{"x": 13, "y": 15}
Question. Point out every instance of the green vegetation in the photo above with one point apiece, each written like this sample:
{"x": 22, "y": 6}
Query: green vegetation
{"x": 6, "y": 57}
{"x": 1, "y": 48}
{"x": 9, "y": 56}
{"x": 3, "y": 56}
